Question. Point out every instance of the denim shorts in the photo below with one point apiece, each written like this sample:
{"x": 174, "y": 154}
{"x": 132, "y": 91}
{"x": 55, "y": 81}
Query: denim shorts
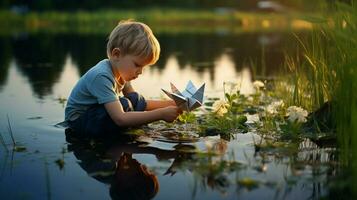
{"x": 97, "y": 124}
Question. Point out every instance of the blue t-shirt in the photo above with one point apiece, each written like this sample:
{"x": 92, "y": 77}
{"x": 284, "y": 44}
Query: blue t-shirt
{"x": 96, "y": 86}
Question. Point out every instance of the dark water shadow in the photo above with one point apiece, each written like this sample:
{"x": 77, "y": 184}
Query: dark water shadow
{"x": 112, "y": 163}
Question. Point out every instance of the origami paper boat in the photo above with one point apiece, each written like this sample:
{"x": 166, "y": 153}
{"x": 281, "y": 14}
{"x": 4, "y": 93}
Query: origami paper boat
{"x": 189, "y": 99}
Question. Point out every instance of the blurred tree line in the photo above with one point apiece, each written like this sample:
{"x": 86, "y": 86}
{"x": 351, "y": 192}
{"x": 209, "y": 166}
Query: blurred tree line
{"x": 35, "y": 56}
{"x": 70, "y": 5}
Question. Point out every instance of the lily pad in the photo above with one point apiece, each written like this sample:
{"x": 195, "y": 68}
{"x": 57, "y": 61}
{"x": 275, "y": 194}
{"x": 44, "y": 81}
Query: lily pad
{"x": 248, "y": 183}
{"x": 19, "y": 149}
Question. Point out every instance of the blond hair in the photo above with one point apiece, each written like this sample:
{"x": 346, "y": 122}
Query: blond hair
{"x": 134, "y": 38}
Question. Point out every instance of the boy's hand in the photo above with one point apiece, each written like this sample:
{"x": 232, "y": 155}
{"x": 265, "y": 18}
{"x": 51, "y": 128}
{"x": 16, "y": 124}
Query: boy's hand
{"x": 170, "y": 113}
{"x": 172, "y": 102}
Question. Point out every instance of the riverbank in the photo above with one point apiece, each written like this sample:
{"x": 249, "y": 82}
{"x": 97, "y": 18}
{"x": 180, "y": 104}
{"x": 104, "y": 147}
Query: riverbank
{"x": 161, "y": 20}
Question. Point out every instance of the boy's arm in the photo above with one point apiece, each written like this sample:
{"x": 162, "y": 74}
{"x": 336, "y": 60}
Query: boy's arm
{"x": 155, "y": 104}
{"x": 150, "y": 104}
{"x": 121, "y": 118}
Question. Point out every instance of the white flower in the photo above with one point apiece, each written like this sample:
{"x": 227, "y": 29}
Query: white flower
{"x": 258, "y": 84}
{"x": 278, "y": 103}
{"x": 220, "y": 107}
{"x": 295, "y": 113}
{"x": 273, "y": 107}
{"x": 222, "y": 111}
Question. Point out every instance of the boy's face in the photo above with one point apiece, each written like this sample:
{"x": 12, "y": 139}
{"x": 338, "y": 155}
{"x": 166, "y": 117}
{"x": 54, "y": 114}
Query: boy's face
{"x": 130, "y": 67}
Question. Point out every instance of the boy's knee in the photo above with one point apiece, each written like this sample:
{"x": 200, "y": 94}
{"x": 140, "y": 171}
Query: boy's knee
{"x": 126, "y": 104}
{"x": 137, "y": 100}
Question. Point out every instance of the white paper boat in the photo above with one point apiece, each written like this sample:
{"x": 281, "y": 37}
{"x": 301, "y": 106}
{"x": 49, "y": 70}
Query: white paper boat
{"x": 189, "y": 99}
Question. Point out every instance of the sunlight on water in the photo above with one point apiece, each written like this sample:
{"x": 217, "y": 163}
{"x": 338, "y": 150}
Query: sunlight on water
{"x": 223, "y": 70}
{"x": 152, "y": 80}
{"x": 67, "y": 80}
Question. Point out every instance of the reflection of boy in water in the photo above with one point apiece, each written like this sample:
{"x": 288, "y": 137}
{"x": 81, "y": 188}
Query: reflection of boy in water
{"x": 133, "y": 180}
{"x": 128, "y": 179}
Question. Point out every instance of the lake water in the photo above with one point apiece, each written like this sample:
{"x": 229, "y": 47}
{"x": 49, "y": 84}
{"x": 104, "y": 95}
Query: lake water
{"x": 38, "y": 70}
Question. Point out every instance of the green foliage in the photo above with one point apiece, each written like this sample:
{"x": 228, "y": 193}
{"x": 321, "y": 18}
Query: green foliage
{"x": 291, "y": 130}
{"x": 136, "y": 131}
{"x": 225, "y": 117}
{"x": 187, "y": 117}
{"x": 41, "y": 5}
{"x": 225, "y": 125}
{"x": 172, "y": 20}
{"x": 228, "y": 116}
{"x": 327, "y": 72}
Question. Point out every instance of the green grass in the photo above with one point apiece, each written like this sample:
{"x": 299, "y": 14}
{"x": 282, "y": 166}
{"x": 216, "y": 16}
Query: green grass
{"x": 327, "y": 72}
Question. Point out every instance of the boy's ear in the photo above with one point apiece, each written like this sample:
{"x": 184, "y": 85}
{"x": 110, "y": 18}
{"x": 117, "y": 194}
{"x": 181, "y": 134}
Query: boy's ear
{"x": 115, "y": 53}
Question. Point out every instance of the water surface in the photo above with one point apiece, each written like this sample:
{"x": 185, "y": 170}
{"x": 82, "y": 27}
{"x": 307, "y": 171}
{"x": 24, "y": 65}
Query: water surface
{"x": 38, "y": 72}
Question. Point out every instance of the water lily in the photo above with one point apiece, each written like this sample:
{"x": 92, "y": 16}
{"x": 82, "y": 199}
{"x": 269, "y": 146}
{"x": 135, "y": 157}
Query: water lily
{"x": 258, "y": 84}
{"x": 273, "y": 107}
{"x": 220, "y": 107}
{"x": 296, "y": 114}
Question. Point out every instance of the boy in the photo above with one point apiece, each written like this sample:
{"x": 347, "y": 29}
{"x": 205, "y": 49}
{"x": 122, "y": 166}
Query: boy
{"x": 94, "y": 110}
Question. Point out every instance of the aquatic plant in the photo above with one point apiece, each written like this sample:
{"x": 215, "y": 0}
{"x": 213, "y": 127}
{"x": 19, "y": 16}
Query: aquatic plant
{"x": 3, "y": 142}
{"x": 224, "y": 117}
{"x": 325, "y": 74}
{"x": 187, "y": 117}
{"x": 10, "y": 131}
{"x": 219, "y": 107}
{"x": 274, "y": 107}
{"x": 296, "y": 114}
{"x": 258, "y": 84}
{"x": 15, "y": 146}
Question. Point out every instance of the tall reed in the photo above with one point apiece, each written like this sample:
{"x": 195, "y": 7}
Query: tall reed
{"x": 326, "y": 71}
